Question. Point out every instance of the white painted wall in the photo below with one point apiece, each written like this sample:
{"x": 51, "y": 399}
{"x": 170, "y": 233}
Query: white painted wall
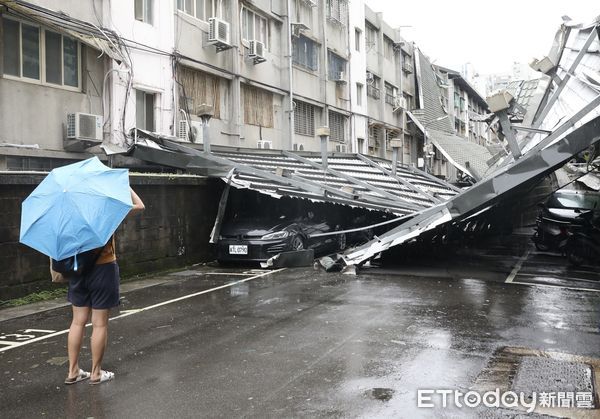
{"x": 358, "y": 71}
{"x": 149, "y": 71}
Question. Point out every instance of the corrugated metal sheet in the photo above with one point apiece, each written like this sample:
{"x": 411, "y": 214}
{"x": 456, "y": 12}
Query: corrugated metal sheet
{"x": 469, "y": 157}
{"x": 349, "y": 179}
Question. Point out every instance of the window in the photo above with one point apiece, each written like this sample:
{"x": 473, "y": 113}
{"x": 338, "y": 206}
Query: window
{"x": 337, "y": 11}
{"x": 197, "y": 88}
{"x": 143, "y": 11}
{"x": 144, "y": 110}
{"x": 258, "y": 106}
{"x": 305, "y": 53}
{"x": 337, "y": 66}
{"x": 374, "y": 131}
{"x": 337, "y": 127}
{"x": 304, "y": 118}
{"x": 357, "y": 34}
{"x": 254, "y": 26}
{"x": 359, "y": 94}
{"x": 371, "y": 34}
{"x": 409, "y": 101}
{"x": 54, "y": 61}
{"x": 202, "y": 9}
{"x": 304, "y": 12}
{"x": 373, "y": 88}
{"x": 408, "y": 140}
{"x": 388, "y": 48}
{"x": 407, "y": 65}
{"x": 390, "y": 94}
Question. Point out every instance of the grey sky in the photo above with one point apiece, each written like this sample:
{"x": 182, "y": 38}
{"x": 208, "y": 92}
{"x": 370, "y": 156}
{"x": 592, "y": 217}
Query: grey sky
{"x": 491, "y": 35}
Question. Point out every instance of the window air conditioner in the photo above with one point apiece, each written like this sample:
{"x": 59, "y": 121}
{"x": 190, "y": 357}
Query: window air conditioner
{"x": 340, "y": 77}
{"x": 183, "y": 131}
{"x": 257, "y": 51}
{"x": 83, "y": 126}
{"x": 399, "y": 103}
{"x": 264, "y": 145}
{"x": 341, "y": 148}
{"x": 218, "y": 33}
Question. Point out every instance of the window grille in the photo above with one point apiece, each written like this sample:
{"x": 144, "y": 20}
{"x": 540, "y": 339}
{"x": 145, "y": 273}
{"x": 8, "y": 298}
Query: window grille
{"x": 304, "y": 118}
{"x": 337, "y": 11}
{"x": 337, "y": 127}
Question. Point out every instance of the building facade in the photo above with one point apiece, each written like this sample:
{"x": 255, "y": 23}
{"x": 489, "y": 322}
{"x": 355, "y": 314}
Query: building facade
{"x": 260, "y": 73}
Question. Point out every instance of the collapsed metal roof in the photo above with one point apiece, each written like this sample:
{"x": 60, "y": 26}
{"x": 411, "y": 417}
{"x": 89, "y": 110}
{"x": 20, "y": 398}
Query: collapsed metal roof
{"x": 570, "y": 116}
{"x": 436, "y": 124}
{"x": 347, "y": 179}
{"x": 566, "y": 123}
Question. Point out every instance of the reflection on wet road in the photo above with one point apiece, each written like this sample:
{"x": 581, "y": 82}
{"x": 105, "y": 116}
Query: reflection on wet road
{"x": 299, "y": 342}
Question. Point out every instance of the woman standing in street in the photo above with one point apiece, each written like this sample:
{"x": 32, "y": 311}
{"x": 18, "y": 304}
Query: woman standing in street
{"x": 94, "y": 294}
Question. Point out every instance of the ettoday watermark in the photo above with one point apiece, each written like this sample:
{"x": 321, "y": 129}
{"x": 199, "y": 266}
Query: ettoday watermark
{"x": 506, "y": 399}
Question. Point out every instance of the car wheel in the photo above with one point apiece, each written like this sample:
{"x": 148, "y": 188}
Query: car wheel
{"x": 297, "y": 243}
{"x": 575, "y": 254}
{"x": 539, "y": 244}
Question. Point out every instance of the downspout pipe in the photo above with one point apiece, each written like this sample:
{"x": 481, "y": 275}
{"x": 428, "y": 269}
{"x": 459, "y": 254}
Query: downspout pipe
{"x": 290, "y": 143}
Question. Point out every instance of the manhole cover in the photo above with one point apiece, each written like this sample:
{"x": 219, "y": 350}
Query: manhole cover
{"x": 544, "y": 375}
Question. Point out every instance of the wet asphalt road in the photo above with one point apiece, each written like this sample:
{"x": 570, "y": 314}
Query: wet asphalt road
{"x": 302, "y": 342}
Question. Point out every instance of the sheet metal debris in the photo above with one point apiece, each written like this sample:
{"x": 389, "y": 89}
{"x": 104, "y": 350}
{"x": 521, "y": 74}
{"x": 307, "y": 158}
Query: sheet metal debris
{"x": 571, "y": 111}
{"x": 349, "y": 179}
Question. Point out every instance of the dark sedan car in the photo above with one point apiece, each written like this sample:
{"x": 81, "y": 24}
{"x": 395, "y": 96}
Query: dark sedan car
{"x": 260, "y": 239}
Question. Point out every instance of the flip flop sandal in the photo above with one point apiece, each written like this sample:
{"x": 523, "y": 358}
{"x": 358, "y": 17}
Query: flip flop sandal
{"x": 104, "y": 376}
{"x": 83, "y": 375}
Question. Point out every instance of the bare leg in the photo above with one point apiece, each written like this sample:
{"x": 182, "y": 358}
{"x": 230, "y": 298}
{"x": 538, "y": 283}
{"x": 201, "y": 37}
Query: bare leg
{"x": 75, "y": 338}
{"x": 99, "y": 340}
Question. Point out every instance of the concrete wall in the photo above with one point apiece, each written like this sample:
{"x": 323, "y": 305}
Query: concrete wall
{"x": 172, "y": 232}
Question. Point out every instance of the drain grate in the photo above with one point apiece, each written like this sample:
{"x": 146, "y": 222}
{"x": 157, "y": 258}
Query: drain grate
{"x": 544, "y": 375}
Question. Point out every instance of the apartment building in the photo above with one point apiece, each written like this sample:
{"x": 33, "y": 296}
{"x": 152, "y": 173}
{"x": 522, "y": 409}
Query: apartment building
{"x": 465, "y": 106}
{"x": 77, "y": 77}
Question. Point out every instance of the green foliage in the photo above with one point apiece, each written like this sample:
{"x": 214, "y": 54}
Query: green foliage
{"x": 34, "y": 298}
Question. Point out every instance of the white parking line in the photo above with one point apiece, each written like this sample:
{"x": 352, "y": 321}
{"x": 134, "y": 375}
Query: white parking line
{"x": 535, "y": 284}
{"x": 12, "y": 344}
{"x": 517, "y": 268}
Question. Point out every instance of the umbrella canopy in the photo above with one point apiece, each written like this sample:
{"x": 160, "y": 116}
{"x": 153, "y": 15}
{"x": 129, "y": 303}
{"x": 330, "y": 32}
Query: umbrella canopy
{"x": 75, "y": 208}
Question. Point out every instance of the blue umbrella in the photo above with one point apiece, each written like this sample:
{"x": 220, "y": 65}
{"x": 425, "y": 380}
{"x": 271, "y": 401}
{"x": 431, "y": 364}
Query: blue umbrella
{"x": 75, "y": 208}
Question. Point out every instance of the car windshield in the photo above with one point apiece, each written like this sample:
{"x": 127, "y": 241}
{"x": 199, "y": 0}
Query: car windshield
{"x": 576, "y": 201}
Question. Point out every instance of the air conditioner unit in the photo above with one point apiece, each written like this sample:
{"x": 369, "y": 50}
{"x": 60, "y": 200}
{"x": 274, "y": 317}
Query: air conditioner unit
{"x": 370, "y": 76}
{"x": 340, "y": 77}
{"x": 298, "y": 147}
{"x": 84, "y": 126}
{"x": 341, "y": 148}
{"x": 183, "y": 132}
{"x": 257, "y": 51}
{"x": 218, "y": 33}
{"x": 267, "y": 145}
{"x": 399, "y": 103}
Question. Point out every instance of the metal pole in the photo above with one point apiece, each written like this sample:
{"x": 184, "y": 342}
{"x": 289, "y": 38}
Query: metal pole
{"x": 290, "y": 142}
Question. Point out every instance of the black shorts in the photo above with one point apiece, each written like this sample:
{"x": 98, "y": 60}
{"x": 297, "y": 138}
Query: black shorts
{"x": 99, "y": 289}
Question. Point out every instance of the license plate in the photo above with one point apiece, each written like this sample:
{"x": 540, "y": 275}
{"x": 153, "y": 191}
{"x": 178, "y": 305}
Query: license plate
{"x": 238, "y": 249}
